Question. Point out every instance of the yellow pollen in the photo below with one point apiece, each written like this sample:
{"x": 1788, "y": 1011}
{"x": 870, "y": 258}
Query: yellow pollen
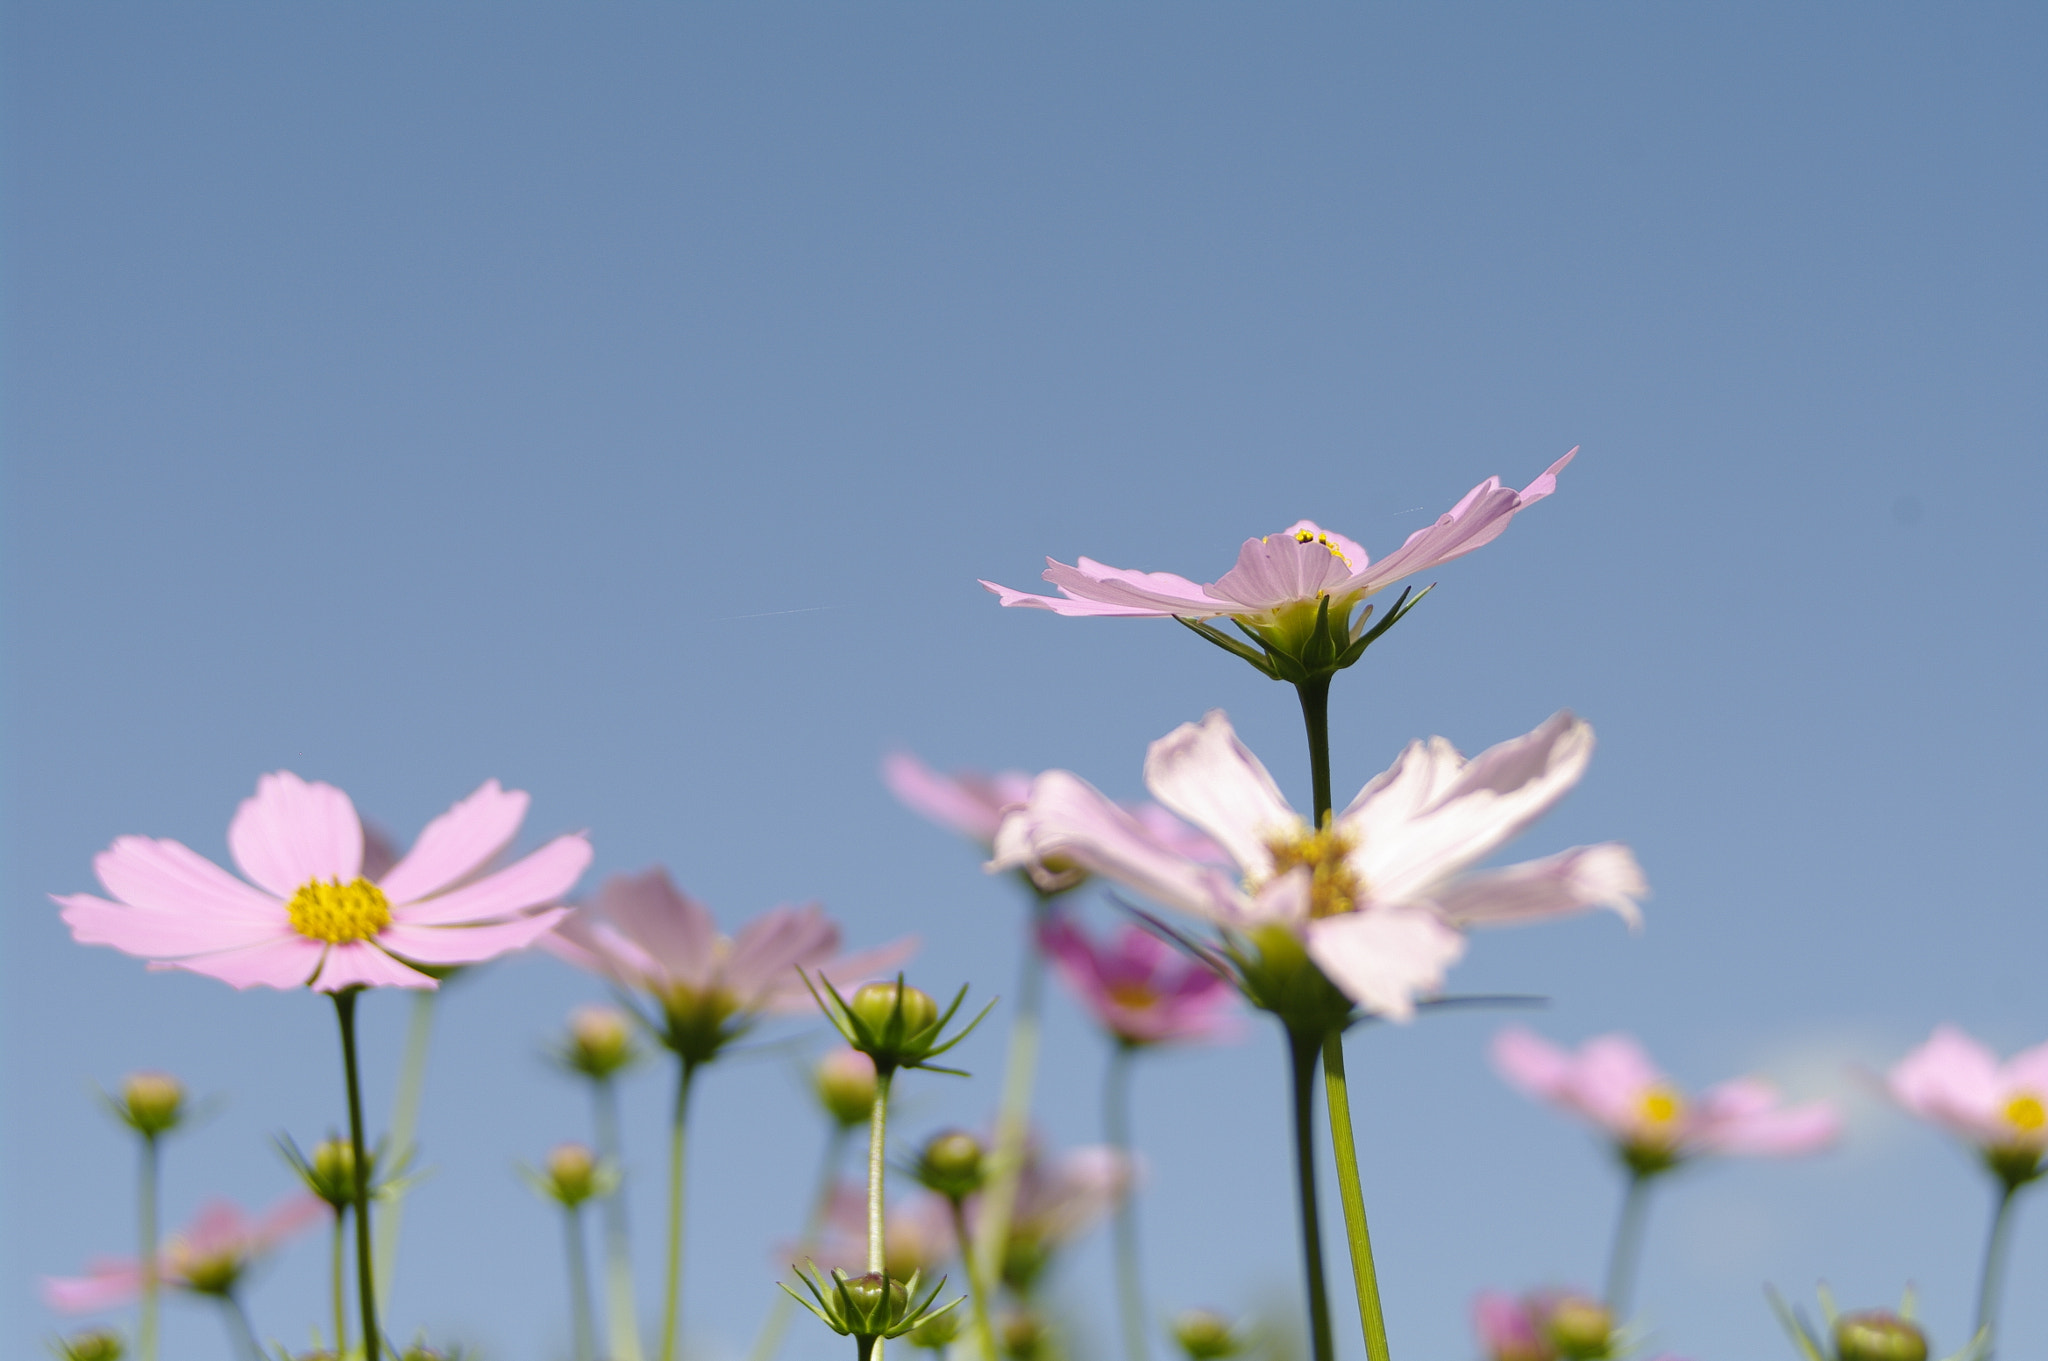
{"x": 338, "y": 913}
{"x": 1134, "y": 995}
{"x": 1661, "y": 1105}
{"x": 1303, "y": 536}
{"x": 2026, "y": 1113}
{"x": 1334, "y": 887}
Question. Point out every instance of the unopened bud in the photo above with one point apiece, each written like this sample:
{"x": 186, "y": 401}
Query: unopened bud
{"x": 572, "y": 1174}
{"x": 845, "y": 1082}
{"x": 151, "y": 1102}
{"x": 1021, "y": 1335}
{"x": 878, "y": 1301}
{"x": 1878, "y": 1335}
{"x": 94, "y": 1344}
{"x": 951, "y": 1164}
{"x": 215, "y": 1273}
{"x": 333, "y": 1177}
{"x": 878, "y": 1005}
{"x": 1205, "y": 1335}
{"x": 600, "y": 1041}
{"x": 935, "y": 1334}
{"x": 1581, "y": 1328}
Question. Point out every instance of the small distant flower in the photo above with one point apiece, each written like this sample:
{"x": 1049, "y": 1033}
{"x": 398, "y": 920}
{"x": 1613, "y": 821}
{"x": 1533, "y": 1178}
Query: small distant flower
{"x": 309, "y": 916}
{"x": 1544, "y": 1326}
{"x": 209, "y": 1257}
{"x": 1379, "y": 894}
{"x": 1139, "y": 988}
{"x": 1059, "y": 1199}
{"x": 2001, "y": 1109}
{"x": 1611, "y": 1083}
{"x": 643, "y": 933}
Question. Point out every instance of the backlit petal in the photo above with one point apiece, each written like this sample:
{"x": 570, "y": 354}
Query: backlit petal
{"x": 293, "y": 831}
{"x": 467, "y": 944}
{"x": 1571, "y": 881}
{"x": 458, "y": 843}
{"x": 535, "y": 881}
{"x": 1203, "y": 773}
{"x": 361, "y": 964}
{"x": 1385, "y": 958}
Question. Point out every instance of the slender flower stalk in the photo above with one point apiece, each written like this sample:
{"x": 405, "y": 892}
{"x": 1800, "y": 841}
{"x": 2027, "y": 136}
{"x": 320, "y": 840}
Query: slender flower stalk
{"x": 1993, "y": 1275}
{"x": 366, "y": 1275}
{"x": 152, "y": 1275}
{"x": 1013, "y": 1114}
{"x": 339, "y": 1263}
{"x": 1302, "y": 1052}
{"x": 622, "y": 1316}
{"x": 583, "y": 1324}
{"x": 979, "y": 1286}
{"x": 152, "y": 1104}
{"x": 236, "y": 1316}
{"x": 1116, "y": 1128}
{"x": 878, "y": 1130}
{"x": 671, "y": 1308}
{"x": 1627, "y": 1249}
{"x": 405, "y": 1119}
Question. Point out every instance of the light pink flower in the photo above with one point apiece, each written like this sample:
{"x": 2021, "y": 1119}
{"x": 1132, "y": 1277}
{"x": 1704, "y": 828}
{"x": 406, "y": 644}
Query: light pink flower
{"x": 1297, "y": 566}
{"x": 207, "y": 1257}
{"x": 308, "y": 915}
{"x": 1611, "y": 1083}
{"x": 1381, "y": 894}
{"x": 1139, "y": 988}
{"x": 1511, "y": 1328}
{"x": 643, "y": 933}
{"x": 1955, "y": 1082}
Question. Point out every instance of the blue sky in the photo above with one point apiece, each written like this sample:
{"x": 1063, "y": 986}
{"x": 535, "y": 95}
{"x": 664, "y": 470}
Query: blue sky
{"x": 621, "y": 401}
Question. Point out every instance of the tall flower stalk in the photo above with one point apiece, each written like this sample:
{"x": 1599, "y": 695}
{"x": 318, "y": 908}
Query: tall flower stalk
{"x": 599, "y": 1046}
{"x": 1013, "y": 1115}
{"x": 405, "y": 1120}
{"x": 672, "y": 1288}
{"x": 1116, "y": 1128}
{"x": 366, "y": 1274}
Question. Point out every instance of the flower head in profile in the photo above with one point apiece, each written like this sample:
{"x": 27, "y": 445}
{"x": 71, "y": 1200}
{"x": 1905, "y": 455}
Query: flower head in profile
{"x": 1654, "y": 1125}
{"x": 1137, "y": 987}
{"x": 207, "y": 1257}
{"x": 643, "y": 933}
{"x": 1378, "y": 896}
{"x": 1291, "y": 593}
{"x": 310, "y": 913}
{"x": 2000, "y": 1109}
{"x": 1545, "y": 1325}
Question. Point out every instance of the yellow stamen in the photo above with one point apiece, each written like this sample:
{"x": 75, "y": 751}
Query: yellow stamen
{"x": 1134, "y": 995}
{"x": 2026, "y": 1113}
{"x": 1661, "y": 1105}
{"x": 1304, "y": 536}
{"x": 1334, "y": 887}
{"x": 338, "y": 913}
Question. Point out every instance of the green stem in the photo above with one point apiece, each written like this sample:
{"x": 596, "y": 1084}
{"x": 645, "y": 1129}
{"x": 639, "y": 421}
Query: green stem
{"x": 1628, "y": 1245}
{"x": 1364, "y": 1278}
{"x": 772, "y": 1328}
{"x": 1315, "y": 716}
{"x": 672, "y": 1304}
{"x": 1013, "y": 1114}
{"x": 146, "y": 1199}
{"x": 1116, "y": 1125}
{"x": 984, "y": 1327}
{"x": 622, "y": 1314}
{"x": 583, "y": 1326}
{"x": 366, "y": 1274}
{"x": 1994, "y": 1263}
{"x": 878, "y": 1128}
{"x": 1302, "y": 1051}
{"x": 405, "y": 1120}
{"x": 340, "y": 1256}
{"x": 240, "y": 1331}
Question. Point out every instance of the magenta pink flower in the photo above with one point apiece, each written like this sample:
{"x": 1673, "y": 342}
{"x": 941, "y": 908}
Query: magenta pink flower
{"x": 1611, "y": 1083}
{"x": 208, "y": 1257}
{"x": 1297, "y": 566}
{"x": 1957, "y": 1083}
{"x": 308, "y": 915}
{"x": 643, "y": 933}
{"x": 1138, "y": 988}
{"x": 1379, "y": 896}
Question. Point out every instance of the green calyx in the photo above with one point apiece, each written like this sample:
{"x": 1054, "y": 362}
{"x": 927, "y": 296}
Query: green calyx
{"x": 1307, "y": 642}
{"x": 2015, "y": 1164}
{"x": 698, "y": 1023}
{"x": 1866, "y": 1334}
{"x": 868, "y": 1306}
{"x": 329, "y": 1171}
{"x": 895, "y": 1025}
{"x": 1275, "y": 973}
{"x": 94, "y": 1344}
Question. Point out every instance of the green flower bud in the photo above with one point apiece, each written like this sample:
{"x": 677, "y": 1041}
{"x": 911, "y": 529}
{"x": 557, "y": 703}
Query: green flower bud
{"x": 215, "y": 1274}
{"x": 1023, "y": 1336}
{"x": 936, "y": 1333}
{"x": 1205, "y": 1335}
{"x": 1580, "y": 1328}
{"x": 881, "y": 1006}
{"x": 572, "y": 1174}
{"x": 420, "y": 1351}
{"x": 1878, "y": 1335}
{"x": 845, "y": 1083}
{"x": 333, "y": 1172}
{"x": 896, "y": 1025}
{"x": 94, "y": 1344}
{"x": 876, "y": 1297}
{"x": 600, "y": 1041}
{"x": 151, "y": 1103}
{"x": 951, "y": 1164}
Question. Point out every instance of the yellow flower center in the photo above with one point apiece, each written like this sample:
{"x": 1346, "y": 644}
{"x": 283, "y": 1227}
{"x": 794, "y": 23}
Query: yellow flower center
{"x": 1660, "y": 1106}
{"x": 2025, "y": 1113}
{"x": 1334, "y": 887}
{"x": 338, "y": 913}
{"x": 1134, "y": 995}
{"x": 1304, "y": 536}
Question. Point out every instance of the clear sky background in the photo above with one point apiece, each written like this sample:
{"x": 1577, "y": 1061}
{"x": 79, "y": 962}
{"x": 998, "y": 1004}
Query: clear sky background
{"x": 621, "y": 400}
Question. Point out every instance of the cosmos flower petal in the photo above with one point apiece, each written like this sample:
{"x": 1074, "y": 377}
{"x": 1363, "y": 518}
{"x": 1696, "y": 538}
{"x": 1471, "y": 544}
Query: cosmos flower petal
{"x": 467, "y": 944}
{"x": 1123, "y": 589}
{"x": 535, "y": 881}
{"x": 171, "y": 878}
{"x": 1137, "y": 987}
{"x": 285, "y": 961}
{"x": 1203, "y": 773}
{"x": 108, "y": 1283}
{"x": 1744, "y": 1118}
{"x": 1385, "y": 958}
{"x": 293, "y": 831}
{"x": 154, "y": 935}
{"x": 358, "y": 963}
{"x": 1068, "y": 605}
{"x": 1531, "y": 1064}
{"x": 788, "y": 995}
{"x": 591, "y": 944}
{"x": 670, "y": 928}
{"x": 458, "y": 843}
{"x": 1557, "y": 885}
{"x": 2028, "y": 1070}
{"x": 1477, "y": 520}
{"x": 1612, "y": 1075}
{"x": 967, "y": 801}
{"x": 1953, "y": 1080}
{"x": 1280, "y": 570}
{"x": 774, "y": 943}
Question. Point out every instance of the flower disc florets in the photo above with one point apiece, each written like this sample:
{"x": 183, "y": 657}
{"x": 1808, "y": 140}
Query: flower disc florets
{"x": 896, "y": 1025}
{"x": 868, "y": 1306}
{"x": 338, "y": 913}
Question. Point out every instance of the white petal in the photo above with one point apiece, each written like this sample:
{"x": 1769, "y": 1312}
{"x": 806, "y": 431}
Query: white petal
{"x": 1557, "y": 885}
{"x": 1383, "y": 958}
{"x": 1202, "y": 772}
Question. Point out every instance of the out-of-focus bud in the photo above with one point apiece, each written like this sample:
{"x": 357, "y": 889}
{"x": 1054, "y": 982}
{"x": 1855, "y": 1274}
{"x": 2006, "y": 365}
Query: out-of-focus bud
{"x": 1023, "y": 1336}
{"x": 210, "y": 1273}
{"x": 845, "y": 1083}
{"x": 94, "y": 1344}
{"x": 420, "y": 1351}
{"x": 151, "y": 1103}
{"x": 1878, "y": 1335}
{"x": 1205, "y": 1335}
{"x": 935, "y": 1334}
{"x": 600, "y": 1041}
{"x": 331, "y": 1172}
{"x": 877, "y": 1005}
{"x": 572, "y": 1174}
{"x": 1580, "y": 1328}
{"x": 951, "y": 1164}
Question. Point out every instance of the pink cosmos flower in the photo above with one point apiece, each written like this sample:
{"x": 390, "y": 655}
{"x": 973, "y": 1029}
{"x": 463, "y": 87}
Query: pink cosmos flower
{"x": 1381, "y": 894}
{"x": 309, "y": 915}
{"x": 208, "y": 1257}
{"x": 1139, "y": 988}
{"x": 1511, "y": 1328}
{"x": 1297, "y": 566}
{"x": 1957, "y": 1083}
{"x": 643, "y": 933}
{"x": 1611, "y": 1083}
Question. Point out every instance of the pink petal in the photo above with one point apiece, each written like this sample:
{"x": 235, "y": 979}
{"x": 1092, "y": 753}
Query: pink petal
{"x": 774, "y": 943}
{"x": 672, "y": 931}
{"x": 1124, "y": 590}
{"x": 457, "y": 844}
{"x": 164, "y": 876}
{"x": 1743, "y": 1118}
{"x": 2027, "y": 1071}
{"x": 969, "y": 802}
{"x": 536, "y": 881}
{"x": 361, "y": 964}
{"x": 1067, "y": 605}
{"x": 789, "y": 995}
{"x": 285, "y": 961}
{"x": 1571, "y": 881}
{"x": 293, "y": 832}
{"x": 1384, "y": 958}
{"x": 1203, "y": 773}
{"x": 467, "y": 944}
{"x": 1613, "y": 1074}
{"x": 1478, "y": 519}
{"x": 108, "y": 1282}
{"x": 1531, "y": 1063}
{"x": 1280, "y": 570}
{"x": 590, "y": 944}
{"x": 1952, "y": 1080}
{"x": 157, "y": 935}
